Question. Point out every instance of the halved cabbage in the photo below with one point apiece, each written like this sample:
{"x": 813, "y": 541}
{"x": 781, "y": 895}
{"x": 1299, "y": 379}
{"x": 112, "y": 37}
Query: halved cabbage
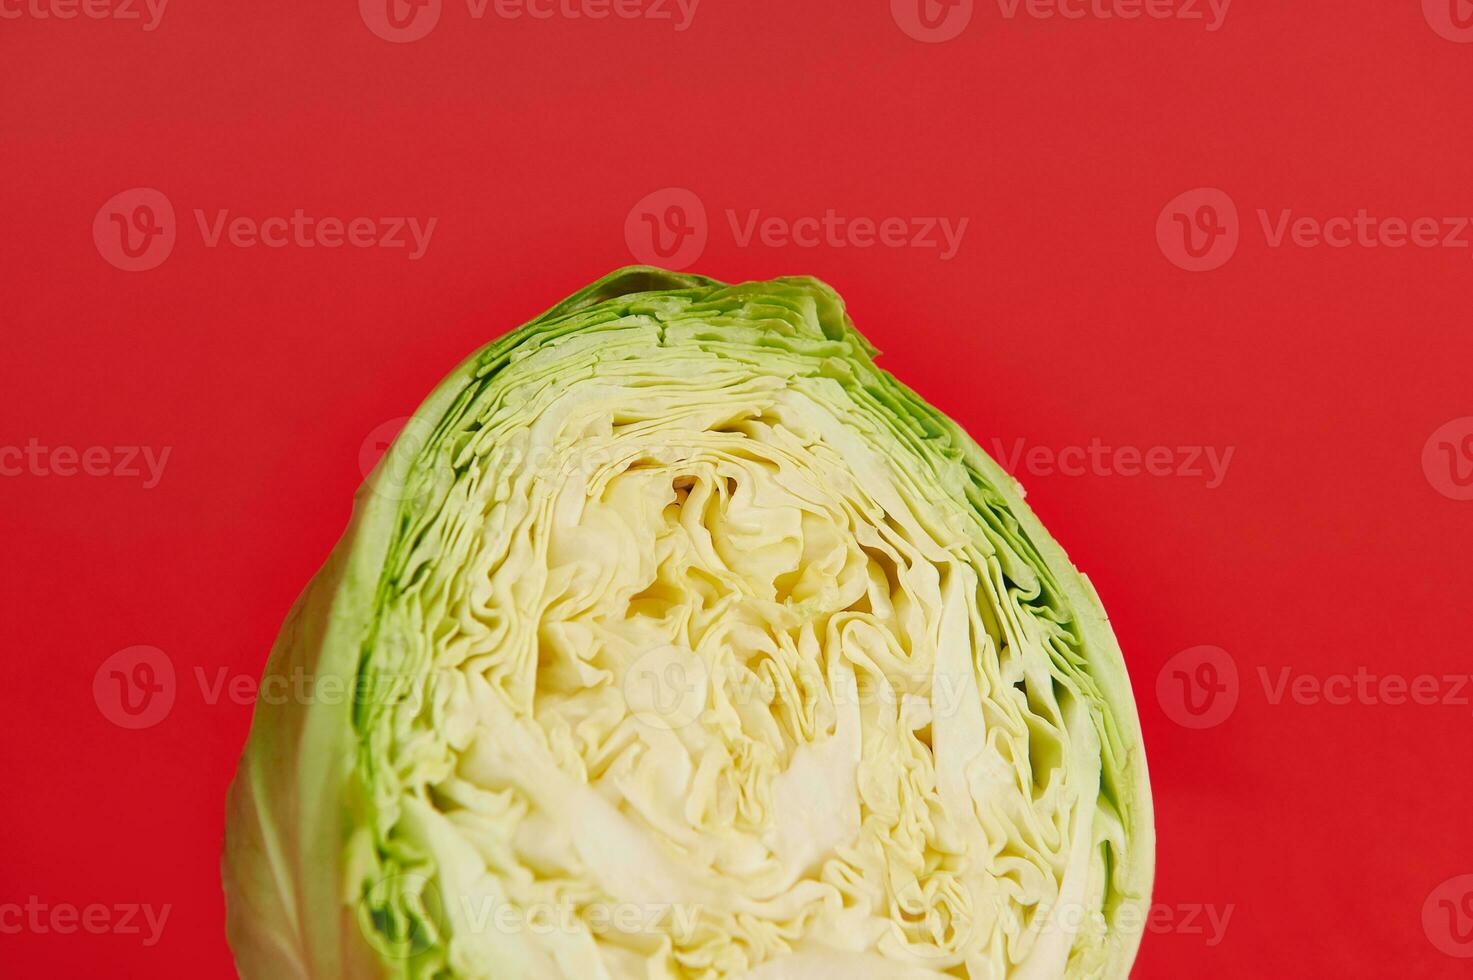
{"x": 676, "y": 639}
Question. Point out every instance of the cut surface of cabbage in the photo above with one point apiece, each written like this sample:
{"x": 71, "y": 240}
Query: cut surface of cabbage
{"x": 684, "y": 642}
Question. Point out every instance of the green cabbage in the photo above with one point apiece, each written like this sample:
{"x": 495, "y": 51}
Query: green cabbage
{"x": 675, "y": 639}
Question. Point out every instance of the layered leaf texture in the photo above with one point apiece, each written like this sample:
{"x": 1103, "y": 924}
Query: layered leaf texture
{"x": 675, "y": 639}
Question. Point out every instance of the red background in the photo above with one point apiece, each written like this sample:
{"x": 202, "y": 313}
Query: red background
{"x": 1059, "y": 321}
